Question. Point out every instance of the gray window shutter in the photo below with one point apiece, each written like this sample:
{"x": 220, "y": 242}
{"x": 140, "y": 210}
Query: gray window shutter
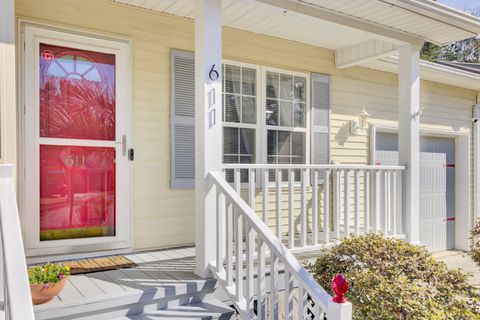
{"x": 182, "y": 120}
{"x": 320, "y": 134}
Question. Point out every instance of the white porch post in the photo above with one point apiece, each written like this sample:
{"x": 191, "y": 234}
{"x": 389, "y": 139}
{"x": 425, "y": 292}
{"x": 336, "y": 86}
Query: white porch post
{"x": 208, "y": 125}
{"x": 409, "y": 137}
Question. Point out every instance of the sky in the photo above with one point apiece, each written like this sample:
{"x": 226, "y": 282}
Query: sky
{"x": 461, "y": 4}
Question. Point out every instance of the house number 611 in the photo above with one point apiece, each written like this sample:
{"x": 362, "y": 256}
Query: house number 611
{"x": 73, "y": 161}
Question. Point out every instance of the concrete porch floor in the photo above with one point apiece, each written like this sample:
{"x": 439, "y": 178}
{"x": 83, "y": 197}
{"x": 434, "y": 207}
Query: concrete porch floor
{"x": 460, "y": 259}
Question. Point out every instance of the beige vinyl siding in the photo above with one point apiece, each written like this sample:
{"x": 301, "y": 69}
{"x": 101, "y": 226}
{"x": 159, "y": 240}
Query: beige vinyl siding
{"x": 165, "y": 217}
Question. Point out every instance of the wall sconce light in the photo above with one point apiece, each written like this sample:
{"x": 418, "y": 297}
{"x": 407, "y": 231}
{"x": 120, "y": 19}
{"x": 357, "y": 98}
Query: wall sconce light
{"x": 361, "y": 123}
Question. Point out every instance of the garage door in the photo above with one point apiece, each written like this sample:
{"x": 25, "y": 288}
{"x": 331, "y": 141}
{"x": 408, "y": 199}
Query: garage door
{"x": 437, "y": 181}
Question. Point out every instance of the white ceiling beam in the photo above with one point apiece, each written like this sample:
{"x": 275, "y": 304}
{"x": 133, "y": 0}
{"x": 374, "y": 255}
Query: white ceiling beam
{"x": 381, "y": 32}
{"x": 363, "y": 52}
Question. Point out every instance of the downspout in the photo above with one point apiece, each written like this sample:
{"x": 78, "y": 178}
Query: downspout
{"x": 476, "y": 157}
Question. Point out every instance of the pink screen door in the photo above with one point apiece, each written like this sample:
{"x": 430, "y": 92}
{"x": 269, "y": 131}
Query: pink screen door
{"x": 77, "y": 125}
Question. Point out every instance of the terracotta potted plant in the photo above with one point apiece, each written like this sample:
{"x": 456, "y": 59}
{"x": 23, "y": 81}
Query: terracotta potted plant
{"x": 46, "y": 281}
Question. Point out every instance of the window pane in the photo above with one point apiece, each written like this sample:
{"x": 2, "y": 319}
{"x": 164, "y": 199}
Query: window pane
{"x": 272, "y": 85}
{"x": 299, "y": 88}
{"x": 286, "y": 87}
{"x": 284, "y": 142}
{"x": 230, "y": 141}
{"x": 272, "y": 142}
{"x": 249, "y": 110}
{"x": 286, "y": 114}
{"x": 298, "y": 144}
{"x": 249, "y": 81}
{"x": 247, "y": 141}
{"x": 77, "y": 93}
{"x": 232, "y": 108}
{"x": 272, "y": 113}
{"x": 232, "y": 79}
{"x": 299, "y": 115}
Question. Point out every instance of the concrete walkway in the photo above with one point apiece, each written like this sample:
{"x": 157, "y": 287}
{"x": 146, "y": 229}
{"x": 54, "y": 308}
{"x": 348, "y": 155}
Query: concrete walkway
{"x": 460, "y": 259}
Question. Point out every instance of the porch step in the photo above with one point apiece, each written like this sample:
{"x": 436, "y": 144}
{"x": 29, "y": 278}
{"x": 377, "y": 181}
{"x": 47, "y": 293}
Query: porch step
{"x": 163, "y": 280}
{"x": 211, "y": 310}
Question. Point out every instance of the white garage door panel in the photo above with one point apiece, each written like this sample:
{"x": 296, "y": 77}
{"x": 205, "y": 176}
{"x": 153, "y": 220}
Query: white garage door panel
{"x": 433, "y": 200}
{"x": 437, "y": 182}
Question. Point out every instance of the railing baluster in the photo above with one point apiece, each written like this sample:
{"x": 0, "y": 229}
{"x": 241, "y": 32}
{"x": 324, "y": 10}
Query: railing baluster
{"x": 250, "y": 250}
{"x": 304, "y": 207}
{"x": 394, "y": 202}
{"x": 288, "y": 308}
{"x": 385, "y": 203}
{"x": 261, "y": 300}
{"x": 220, "y": 230}
{"x": 236, "y": 180}
{"x": 229, "y": 253}
{"x": 291, "y": 232}
{"x": 326, "y": 218}
{"x": 315, "y": 208}
{"x": 251, "y": 188}
{"x": 376, "y": 222}
{"x": 239, "y": 256}
{"x": 273, "y": 299}
{"x": 265, "y": 197}
{"x": 346, "y": 203}
{"x": 278, "y": 199}
{"x": 366, "y": 199}
{"x": 357, "y": 204}
{"x": 302, "y": 302}
{"x": 336, "y": 203}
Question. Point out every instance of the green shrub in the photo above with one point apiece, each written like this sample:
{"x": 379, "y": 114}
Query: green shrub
{"x": 391, "y": 279}
{"x": 475, "y": 248}
{"x": 48, "y": 273}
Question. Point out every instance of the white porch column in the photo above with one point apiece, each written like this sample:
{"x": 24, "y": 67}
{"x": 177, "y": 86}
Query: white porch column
{"x": 476, "y": 160}
{"x": 8, "y": 109}
{"x": 208, "y": 125}
{"x": 409, "y": 137}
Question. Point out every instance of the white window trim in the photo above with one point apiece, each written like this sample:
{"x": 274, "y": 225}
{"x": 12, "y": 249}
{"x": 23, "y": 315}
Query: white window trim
{"x": 265, "y": 127}
{"x": 257, "y": 126}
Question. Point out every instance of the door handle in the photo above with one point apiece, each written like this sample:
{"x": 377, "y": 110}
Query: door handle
{"x": 124, "y": 144}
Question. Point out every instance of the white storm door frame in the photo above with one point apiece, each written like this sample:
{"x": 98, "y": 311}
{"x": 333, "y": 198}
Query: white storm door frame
{"x": 33, "y": 35}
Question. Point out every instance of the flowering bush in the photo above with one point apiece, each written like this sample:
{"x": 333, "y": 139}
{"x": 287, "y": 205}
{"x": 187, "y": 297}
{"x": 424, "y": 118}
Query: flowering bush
{"x": 391, "y": 279}
{"x": 48, "y": 273}
{"x": 475, "y": 248}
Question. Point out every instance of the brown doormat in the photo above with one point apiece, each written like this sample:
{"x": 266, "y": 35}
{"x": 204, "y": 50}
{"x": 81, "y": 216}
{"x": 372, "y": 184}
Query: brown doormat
{"x": 99, "y": 264}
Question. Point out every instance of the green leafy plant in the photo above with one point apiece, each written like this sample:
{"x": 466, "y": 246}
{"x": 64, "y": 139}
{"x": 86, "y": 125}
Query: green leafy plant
{"x": 475, "y": 246}
{"x": 49, "y": 273}
{"x": 391, "y": 279}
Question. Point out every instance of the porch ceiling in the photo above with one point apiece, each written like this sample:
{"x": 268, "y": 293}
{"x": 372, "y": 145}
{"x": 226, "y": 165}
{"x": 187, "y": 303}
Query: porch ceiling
{"x": 322, "y": 22}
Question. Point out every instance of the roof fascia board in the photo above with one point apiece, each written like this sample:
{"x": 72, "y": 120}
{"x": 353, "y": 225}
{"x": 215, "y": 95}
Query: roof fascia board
{"x": 381, "y": 32}
{"x": 441, "y": 13}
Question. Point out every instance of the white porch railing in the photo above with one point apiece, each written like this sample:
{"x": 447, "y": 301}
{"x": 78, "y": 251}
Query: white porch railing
{"x": 15, "y": 292}
{"x": 345, "y": 200}
{"x": 244, "y": 246}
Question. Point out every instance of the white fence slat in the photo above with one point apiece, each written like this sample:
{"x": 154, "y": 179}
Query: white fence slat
{"x": 336, "y": 203}
{"x": 326, "y": 216}
{"x": 357, "y": 204}
{"x": 229, "y": 249}
{"x": 239, "y": 255}
{"x": 377, "y": 199}
{"x": 220, "y": 230}
{"x": 261, "y": 298}
{"x": 346, "y": 203}
{"x": 303, "y": 208}
{"x": 315, "y": 209}
{"x": 367, "y": 201}
{"x": 385, "y": 202}
{"x": 273, "y": 295}
{"x": 265, "y": 197}
{"x": 250, "y": 250}
{"x": 291, "y": 221}
{"x": 251, "y": 188}
{"x": 278, "y": 208}
{"x": 288, "y": 299}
